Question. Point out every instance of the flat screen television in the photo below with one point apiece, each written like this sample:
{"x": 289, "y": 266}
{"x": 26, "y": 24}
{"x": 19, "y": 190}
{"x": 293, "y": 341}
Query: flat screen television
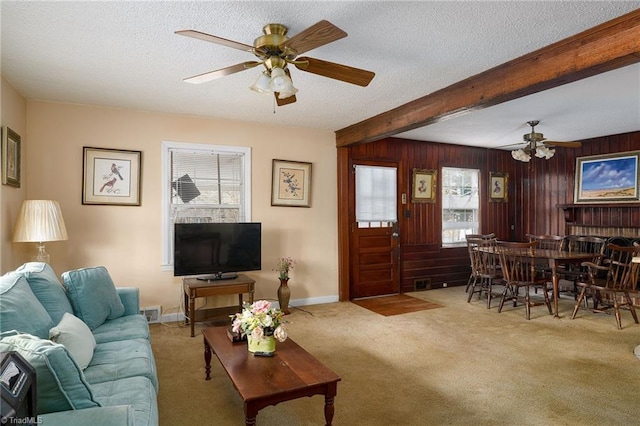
{"x": 216, "y": 250}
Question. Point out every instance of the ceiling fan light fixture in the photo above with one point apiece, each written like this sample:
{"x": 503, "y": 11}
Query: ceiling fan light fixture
{"x": 262, "y": 83}
{"x": 280, "y": 82}
{"x": 520, "y": 155}
{"x": 544, "y": 152}
{"x": 287, "y": 92}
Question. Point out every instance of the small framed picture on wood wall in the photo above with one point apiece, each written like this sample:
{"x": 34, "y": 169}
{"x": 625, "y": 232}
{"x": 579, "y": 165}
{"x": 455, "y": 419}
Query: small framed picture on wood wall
{"x": 498, "y": 185}
{"x": 423, "y": 188}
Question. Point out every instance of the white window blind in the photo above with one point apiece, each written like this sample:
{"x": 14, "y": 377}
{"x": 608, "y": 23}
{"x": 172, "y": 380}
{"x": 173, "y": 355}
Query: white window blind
{"x": 460, "y": 205}
{"x": 376, "y": 194}
{"x": 203, "y": 184}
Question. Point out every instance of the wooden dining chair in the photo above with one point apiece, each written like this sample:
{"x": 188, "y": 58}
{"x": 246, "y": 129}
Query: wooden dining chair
{"x": 519, "y": 271}
{"x": 474, "y": 270}
{"x": 576, "y": 272}
{"x": 485, "y": 261}
{"x": 614, "y": 290}
{"x": 546, "y": 242}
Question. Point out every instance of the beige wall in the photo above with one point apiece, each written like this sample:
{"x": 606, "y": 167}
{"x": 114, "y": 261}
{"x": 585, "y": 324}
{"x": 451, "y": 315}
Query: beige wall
{"x": 127, "y": 240}
{"x": 13, "y": 114}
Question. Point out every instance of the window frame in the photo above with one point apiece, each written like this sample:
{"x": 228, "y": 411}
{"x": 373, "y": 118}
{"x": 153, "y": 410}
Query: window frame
{"x": 167, "y": 146}
{"x": 442, "y": 208}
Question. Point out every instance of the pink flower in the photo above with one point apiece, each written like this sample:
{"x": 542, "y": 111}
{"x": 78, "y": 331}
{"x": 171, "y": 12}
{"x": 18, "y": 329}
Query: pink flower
{"x": 257, "y": 333}
{"x": 280, "y": 333}
{"x": 261, "y": 307}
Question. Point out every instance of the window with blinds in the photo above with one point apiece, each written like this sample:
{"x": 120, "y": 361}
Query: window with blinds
{"x": 460, "y": 205}
{"x": 203, "y": 184}
{"x": 376, "y": 196}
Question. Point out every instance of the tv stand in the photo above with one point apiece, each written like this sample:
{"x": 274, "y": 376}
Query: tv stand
{"x": 196, "y": 288}
{"x": 219, "y": 276}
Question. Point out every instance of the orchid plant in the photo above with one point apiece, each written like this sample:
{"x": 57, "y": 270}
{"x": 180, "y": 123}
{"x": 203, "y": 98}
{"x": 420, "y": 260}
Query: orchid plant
{"x": 284, "y": 265}
{"x": 258, "y": 320}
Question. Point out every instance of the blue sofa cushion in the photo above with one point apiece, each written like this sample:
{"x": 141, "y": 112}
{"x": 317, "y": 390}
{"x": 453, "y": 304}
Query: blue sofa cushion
{"x": 60, "y": 384}
{"x": 117, "y": 360}
{"x": 93, "y": 295}
{"x": 121, "y": 415}
{"x": 123, "y": 328}
{"x": 20, "y": 309}
{"x": 136, "y": 391}
{"x": 47, "y": 288}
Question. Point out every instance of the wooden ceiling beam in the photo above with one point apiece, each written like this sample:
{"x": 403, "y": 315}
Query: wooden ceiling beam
{"x": 608, "y": 46}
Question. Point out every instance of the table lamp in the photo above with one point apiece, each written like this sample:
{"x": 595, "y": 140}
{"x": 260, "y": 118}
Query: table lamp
{"x": 40, "y": 221}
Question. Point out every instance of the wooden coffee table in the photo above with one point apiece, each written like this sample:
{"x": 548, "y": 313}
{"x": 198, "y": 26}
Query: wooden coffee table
{"x": 262, "y": 381}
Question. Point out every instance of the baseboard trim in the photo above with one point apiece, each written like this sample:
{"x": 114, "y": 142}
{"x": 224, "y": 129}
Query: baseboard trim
{"x": 179, "y": 316}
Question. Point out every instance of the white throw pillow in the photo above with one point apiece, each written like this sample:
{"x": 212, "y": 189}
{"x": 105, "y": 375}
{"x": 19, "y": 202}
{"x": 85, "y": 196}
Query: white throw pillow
{"x": 76, "y": 336}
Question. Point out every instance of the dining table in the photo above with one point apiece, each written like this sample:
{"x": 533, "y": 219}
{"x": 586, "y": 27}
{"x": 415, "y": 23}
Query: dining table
{"x": 556, "y": 258}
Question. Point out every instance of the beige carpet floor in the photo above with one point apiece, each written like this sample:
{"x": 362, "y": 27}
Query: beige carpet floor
{"x": 462, "y": 364}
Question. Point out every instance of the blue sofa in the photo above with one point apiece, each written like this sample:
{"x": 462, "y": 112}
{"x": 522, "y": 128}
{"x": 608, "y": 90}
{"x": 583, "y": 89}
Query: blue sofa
{"x": 88, "y": 343}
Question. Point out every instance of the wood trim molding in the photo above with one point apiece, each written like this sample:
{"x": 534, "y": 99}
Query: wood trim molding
{"x": 608, "y": 46}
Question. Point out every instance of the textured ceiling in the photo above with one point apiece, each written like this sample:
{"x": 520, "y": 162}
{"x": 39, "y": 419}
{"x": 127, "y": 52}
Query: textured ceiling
{"x": 125, "y": 54}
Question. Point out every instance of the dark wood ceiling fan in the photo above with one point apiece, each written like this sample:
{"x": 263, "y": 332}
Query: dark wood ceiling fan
{"x": 275, "y": 50}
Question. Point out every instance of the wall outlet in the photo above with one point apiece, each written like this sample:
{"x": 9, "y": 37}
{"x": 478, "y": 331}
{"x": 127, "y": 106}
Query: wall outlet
{"x": 152, "y": 313}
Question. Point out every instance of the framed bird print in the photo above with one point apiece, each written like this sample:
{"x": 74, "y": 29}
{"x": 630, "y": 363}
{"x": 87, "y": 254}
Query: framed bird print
{"x": 291, "y": 184}
{"x": 111, "y": 176}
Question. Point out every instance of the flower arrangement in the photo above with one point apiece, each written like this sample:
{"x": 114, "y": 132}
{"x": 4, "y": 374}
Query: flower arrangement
{"x": 258, "y": 320}
{"x": 284, "y": 265}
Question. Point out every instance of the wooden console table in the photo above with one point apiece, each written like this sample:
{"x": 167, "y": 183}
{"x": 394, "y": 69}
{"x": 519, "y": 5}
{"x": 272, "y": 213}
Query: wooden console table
{"x": 194, "y": 288}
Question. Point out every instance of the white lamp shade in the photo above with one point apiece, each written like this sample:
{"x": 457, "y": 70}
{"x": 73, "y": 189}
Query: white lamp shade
{"x": 287, "y": 92}
{"x": 39, "y": 221}
{"x": 262, "y": 83}
{"x": 544, "y": 152}
{"x": 520, "y": 155}
{"x": 280, "y": 82}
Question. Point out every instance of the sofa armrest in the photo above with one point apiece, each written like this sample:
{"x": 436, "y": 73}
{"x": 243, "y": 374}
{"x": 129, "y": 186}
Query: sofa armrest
{"x": 130, "y": 297}
{"x": 119, "y": 415}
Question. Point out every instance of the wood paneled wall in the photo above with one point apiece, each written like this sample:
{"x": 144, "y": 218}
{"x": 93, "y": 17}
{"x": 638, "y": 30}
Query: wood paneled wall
{"x": 535, "y": 190}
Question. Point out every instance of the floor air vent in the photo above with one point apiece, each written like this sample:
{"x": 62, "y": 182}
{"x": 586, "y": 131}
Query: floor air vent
{"x": 152, "y": 313}
{"x": 421, "y": 284}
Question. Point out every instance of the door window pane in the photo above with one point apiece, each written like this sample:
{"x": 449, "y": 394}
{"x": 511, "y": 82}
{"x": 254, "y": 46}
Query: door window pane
{"x": 376, "y": 190}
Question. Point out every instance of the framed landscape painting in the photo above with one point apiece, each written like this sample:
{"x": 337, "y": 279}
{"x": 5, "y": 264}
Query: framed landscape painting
{"x": 610, "y": 178}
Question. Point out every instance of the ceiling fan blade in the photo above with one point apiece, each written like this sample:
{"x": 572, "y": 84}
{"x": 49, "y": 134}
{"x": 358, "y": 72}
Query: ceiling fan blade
{"x": 317, "y": 35}
{"x": 563, "y": 144}
{"x": 212, "y": 75}
{"x": 335, "y": 71}
{"x": 216, "y": 40}
{"x": 286, "y": 101}
{"x": 511, "y": 146}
